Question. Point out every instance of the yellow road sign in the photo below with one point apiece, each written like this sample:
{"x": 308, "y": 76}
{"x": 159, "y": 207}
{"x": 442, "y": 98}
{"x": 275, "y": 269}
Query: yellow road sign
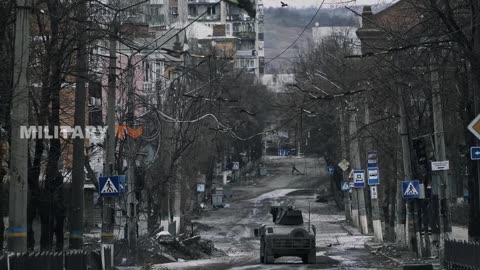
{"x": 474, "y": 127}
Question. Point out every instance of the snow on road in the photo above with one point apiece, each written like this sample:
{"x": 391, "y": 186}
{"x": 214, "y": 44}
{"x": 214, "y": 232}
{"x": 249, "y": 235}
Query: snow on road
{"x": 275, "y": 194}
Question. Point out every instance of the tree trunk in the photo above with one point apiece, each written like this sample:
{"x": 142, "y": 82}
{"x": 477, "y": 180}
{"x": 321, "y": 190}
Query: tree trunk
{"x": 78, "y": 173}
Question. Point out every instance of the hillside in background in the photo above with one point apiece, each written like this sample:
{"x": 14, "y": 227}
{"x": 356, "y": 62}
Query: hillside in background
{"x": 284, "y": 25}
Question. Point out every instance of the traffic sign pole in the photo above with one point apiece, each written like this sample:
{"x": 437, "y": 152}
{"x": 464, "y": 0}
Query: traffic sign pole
{"x": 355, "y": 158}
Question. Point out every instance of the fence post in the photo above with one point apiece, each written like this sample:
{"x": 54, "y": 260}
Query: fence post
{"x": 477, "y": 255}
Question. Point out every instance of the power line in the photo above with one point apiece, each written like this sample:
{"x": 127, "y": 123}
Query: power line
{"x": 299, "y": 36}
{"x": 180, "y": 31}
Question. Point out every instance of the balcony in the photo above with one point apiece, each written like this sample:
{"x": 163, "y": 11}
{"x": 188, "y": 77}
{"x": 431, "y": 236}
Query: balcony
{"x": 148, "y": 87}
{"x": 245, "y": 35}
{"x": 202, "y": 1}
{"x": 215, "y": 17}
{"x": 246, "y": 53}
{"x": 238, "y": 17}
{"x": 156, "y": 2}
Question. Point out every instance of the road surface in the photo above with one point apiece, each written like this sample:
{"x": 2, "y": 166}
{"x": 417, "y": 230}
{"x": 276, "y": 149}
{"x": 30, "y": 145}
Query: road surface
{"x": 231, "y": 229}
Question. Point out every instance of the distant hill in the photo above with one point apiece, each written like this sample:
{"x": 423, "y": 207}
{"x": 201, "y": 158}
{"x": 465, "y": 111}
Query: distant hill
{"x": 284, "y": 25}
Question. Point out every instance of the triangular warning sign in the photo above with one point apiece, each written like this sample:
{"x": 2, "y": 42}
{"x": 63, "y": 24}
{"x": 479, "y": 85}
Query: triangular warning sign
{"x": 109, "y": 187}
{"x": 411, "y": 190}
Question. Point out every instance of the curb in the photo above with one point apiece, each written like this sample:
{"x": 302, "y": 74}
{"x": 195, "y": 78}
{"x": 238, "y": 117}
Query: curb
{"x": 350, "y": 230}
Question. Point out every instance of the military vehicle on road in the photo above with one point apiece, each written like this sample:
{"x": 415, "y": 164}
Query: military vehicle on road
{"x": 288, "y": 236}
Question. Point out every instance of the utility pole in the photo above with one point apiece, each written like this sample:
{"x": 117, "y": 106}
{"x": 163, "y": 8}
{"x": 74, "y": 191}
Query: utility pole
{"x": 343, "y": 146}
{"x": 400, "y": 223}
{"x": 440, "y": 178}
{"x": 403, "y": 235}
{"x": 131, "y": 200}
{"x": 354, "y": 201}
{"x": 474, "y": 179}
{"x": 107, "y": 236}
{"x": 78, "y": 173}
{"x": 356, "y": 164}
{"x": 17, "y": 231}
{"x": 376, "y": 222}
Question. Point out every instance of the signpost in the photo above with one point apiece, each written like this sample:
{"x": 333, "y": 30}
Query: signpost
{"x": 372, "y": 159}
{"x": 373, "y": 177}
{"x": 475, "y": 153}
{"x": 411, "y": 189}
{"x": 474, "y": 127}
{"x": 121, "y": 182}
{"x": 345, "y": 186}
{"x": 344, "y": 164}
{"x": 109, "y": 186}
{"x": 359, "y": 178}
{"x": 331, "y": 170}
{"x": 236, "y": 165}
{"x": 200, "y": 187}
{"x": 373, "y": 192}
{"x": 440, "y": 165}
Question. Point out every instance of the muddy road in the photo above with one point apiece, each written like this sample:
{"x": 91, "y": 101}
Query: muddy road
{"x": 231, "y": 229}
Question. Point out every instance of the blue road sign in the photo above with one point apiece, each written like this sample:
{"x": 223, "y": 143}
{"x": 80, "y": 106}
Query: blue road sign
{"x": 121, "y": 183}
{"x": 109, "y": 186}
{"x": 373, "y": 176}
{"x": 345, "y": 186}
{"x": 331, "y": 170}
{"x": 411, "y": 189}
{"x": 359, "y": 178}
{"x": 372, "y": 159}
{"x": 475, "y": 153}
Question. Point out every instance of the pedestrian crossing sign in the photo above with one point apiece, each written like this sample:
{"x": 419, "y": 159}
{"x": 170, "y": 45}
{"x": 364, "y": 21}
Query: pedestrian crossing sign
{"x": 109, "y": 186}
{"x": 345, "y": 186}
{"x": 411, "y": 189}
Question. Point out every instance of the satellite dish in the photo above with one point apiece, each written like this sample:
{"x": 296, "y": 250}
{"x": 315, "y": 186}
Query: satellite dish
{"x": 317, "y": 24}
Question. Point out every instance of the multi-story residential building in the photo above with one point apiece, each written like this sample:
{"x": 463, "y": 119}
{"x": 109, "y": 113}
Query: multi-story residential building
{"x": 247, "y": 30}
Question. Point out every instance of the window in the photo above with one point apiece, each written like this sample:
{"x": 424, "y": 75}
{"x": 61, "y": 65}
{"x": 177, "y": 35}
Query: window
{"x": 174, "y": 10}
{"x": 246, "y": 63}
{"x": 261, "y": 28}
{"x": 192, "y": 10}
{"x": 153, "y": 70}
{"x": 260, "y": 9}
{"x": 228, "y": 29}
{"x": 154, "y": 11}
{"x": 211, "y": 11}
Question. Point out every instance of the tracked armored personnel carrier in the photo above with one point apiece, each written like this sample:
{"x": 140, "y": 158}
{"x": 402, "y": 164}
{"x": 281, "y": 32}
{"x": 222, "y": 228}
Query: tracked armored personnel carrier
{"x": 287, "y": 236}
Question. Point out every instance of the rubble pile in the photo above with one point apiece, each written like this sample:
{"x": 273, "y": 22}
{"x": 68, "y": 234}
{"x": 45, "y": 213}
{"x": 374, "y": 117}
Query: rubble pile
{"x": 164, "y": 248}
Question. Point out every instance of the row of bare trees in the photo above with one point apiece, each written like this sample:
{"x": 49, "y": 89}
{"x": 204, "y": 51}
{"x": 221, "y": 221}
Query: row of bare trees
{"x": 192, "y": 118}
{"x": 411, "y": 60}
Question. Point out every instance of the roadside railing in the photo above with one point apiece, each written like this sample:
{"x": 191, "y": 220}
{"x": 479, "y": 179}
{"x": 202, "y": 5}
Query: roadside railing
{"x": 50, "y": 260}
{"x": 462, "y": 255}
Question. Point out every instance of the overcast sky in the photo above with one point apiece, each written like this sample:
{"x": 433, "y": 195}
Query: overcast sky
{"x": 316, "y": 3}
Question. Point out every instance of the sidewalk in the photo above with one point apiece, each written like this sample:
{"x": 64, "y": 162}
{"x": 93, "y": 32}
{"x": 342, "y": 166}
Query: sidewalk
{"x": 400, "y": 256}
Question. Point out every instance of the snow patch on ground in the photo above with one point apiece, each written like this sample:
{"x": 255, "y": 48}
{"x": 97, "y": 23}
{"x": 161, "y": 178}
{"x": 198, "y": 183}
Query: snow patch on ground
{"x": 272, "y": 195}
{"x": 459, "y": 233}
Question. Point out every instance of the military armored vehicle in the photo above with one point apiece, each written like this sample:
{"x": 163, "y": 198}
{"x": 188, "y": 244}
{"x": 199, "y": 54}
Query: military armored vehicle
{"x": 287, "y": 236}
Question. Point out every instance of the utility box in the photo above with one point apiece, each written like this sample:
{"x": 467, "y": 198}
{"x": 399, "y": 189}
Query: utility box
{"x": 217, "y": 200}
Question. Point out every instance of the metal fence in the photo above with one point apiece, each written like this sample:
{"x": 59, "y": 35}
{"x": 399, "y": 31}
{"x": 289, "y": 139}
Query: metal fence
{"x": 50, "y": 260}
{"x": 462, "y": 255}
